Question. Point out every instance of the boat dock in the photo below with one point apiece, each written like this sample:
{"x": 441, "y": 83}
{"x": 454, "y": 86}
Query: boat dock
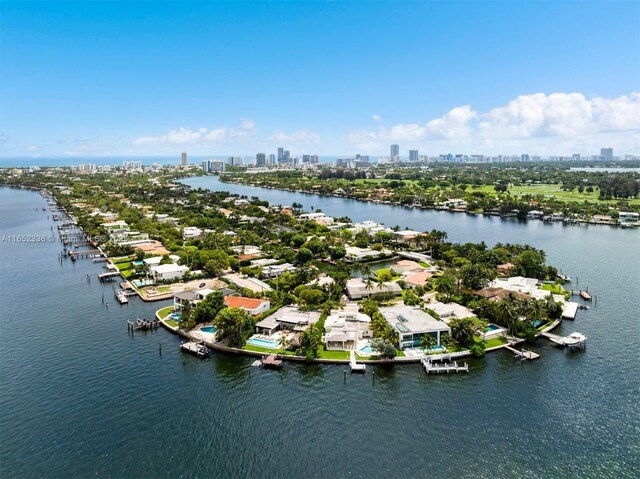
{"x": 574, "y": 340}
{"x": 121, "y": 296}
{"x": 196, "y": 348}
{"x": 524, "y": 354}
{"x": 443, "y": 367}
{"x": 354, "y": 366}
{"x": 271, "y": 361}
{"x": 108, "y": 276}
{"x": 569, "y": 310}
{"x": 142, "y": 324}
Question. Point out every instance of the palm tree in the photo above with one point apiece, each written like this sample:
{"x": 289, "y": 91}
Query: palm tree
{"x": 428, "y": 342}
{"x": 284, "y": 343}
{"x": 508, "y": 313}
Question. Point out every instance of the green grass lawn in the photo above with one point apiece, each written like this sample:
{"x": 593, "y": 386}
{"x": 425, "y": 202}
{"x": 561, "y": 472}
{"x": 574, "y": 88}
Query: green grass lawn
{"x": 124, "y": 265}
{"x": 554, "y": 288}
{"x": 172, "y": 323}
{"x": 550, "y": 190}
{"x": 493, "y": 342}
{"x": 322, "y": 354}
{"x": 424, "y": 265}
{"x": 164, "y": 289}
{"x": 127, "y": 273}
{"x": 164, "y": 312}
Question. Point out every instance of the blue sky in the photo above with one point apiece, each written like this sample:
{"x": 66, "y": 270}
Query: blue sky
{"x": 147, "y": 78}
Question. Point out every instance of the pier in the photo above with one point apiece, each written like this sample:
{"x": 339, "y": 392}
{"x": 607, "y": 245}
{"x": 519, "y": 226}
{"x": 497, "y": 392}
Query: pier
{"x": 142, "y": 325}
{"x": 108, "y": 276}
{"x": 443, "y": 367}
{"x": 524, "y": 354}
{"x": 196, "y": 348}
{"x": 271, "y": 361}
{"x": 354, "y": 366}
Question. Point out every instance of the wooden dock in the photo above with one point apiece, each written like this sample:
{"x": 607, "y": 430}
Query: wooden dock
{"x": 271, "y": 361}
{"x": 524, "y": 354}
{"x": 196, "y": 348}
{"x": 354, "y": 366}
{"x": 442, "y": 367}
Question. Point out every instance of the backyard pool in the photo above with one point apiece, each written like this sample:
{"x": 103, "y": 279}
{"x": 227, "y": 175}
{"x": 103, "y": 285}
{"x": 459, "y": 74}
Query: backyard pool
{"x": 366, "y": 350}
{"x": 263, "y": 343}
{"x": 209, "y": 329}
{"x": 492, "y": 327}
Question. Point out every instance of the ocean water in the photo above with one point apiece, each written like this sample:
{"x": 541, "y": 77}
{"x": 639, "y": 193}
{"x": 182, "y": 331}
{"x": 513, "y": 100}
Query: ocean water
{"x": 80, "y": 397}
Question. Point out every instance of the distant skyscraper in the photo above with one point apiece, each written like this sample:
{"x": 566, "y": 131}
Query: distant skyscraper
{"x": 576, "y": 157}
{"x": 235, "y": 161}
{"x": 313, "y": 159}
{"x": 413, "y": 155}
{"x": 395, "y": 153}
{"x": 305, "y": 158}
{"x": 261, "y": 159}
{"x": 286, "y": 156}
{"x": 184, "y": 158}
{"x": 606, "y": 154}
{"x": 272, "y": 159}
{"x": 524, "y": 157}
{"x": 280, "y": 154}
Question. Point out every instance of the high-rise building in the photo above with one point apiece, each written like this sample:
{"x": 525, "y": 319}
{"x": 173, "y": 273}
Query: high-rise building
{"x": 395, "y": 153}
{"x": 413, "y": 155}
{"x": 313, "y": 159}
{"x": 280, "y": 154}
{"x": 305, "y": 158}
{"x": 576, "y": 157}
{"x": 183, "y": 161}
{"x": 286, "y": 156}
{"x": 213, "y": 166}
{"x": 272, "y": 159}
{"x": 525, "y": 157}
{"x": 235, "y": 161}
{"x": 261, "y": 159}
{"x": 606, "y": 154}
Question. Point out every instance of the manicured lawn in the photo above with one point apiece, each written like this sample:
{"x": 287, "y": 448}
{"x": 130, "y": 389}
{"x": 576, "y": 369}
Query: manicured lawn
{"x": 400, "y": 354}
{"x": 555, "y": 191}
{"x": 493, "y": 342}
{"x": 554, "y": 288}
{"x": 124, "y": 265}
{"x": 127, "y": 273}
{"x": 172, "y": 323}
{"x": 332, "y": 354}
{"x": 164, "y": 289}
{"x": 424, "y": 265}
{"x": 164, "y": 312}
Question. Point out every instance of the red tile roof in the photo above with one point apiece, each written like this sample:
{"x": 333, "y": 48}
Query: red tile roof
{"x": 242, "y": 302}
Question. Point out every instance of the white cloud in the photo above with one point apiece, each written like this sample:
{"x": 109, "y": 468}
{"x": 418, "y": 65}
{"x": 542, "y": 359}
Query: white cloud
{"x": 4, "y": 139}
{"x": 538, "y": 123}
{"x": 32, "y": 149}
{"x": 301, "y": 137}
{"x": 377, "y": 118}
{"x": 188, "y": 136}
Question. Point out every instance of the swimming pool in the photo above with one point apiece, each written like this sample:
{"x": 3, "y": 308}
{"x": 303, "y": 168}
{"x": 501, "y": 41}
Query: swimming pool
{"x": 263, "y": 343}
{"x": 493, "y": 327}
{"x": 366, "y": 350}
{"x": 209, "y": 329}
{"x": 175, "y": 316}
{"x": 437, "y": 349}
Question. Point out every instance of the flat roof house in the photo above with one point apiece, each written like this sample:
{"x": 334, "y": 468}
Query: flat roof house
{"x": 357, "y": 288}
{"x": 411, "y": 324}
{"x": 167, "y": 272}
{"x": 345, "y": 327}
{"x": 287, "y": 317}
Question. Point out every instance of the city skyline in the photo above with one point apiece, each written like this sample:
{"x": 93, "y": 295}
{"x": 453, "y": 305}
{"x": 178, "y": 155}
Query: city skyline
{"x": 198, "y": 79}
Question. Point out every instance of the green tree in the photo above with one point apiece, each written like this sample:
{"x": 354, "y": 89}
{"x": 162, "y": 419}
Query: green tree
{"x": 207, "y": 309}
{"x": 384, "y": 347}
{"x": 530, "y": 263}
{"x": 235, "y": 324}
{"x": 186, "y": 316}
{"x": 476, "y": 276}
{"x": 410, "y": 298}
{"x": 304, "y": 256}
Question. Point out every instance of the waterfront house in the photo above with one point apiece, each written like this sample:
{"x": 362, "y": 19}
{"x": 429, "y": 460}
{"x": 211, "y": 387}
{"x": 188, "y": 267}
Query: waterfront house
{"x": 167, "y": 272}
{"x": 192, "y": 297}
{"x": 191, "y": 232}
{"x": 244, "y": 281}
{"x": 287, "y": 317}
{"x": 498, "y": 294}
{"x": 252, "y": 306}
{"x": 275, "y": 270}
{"x": 345, "y": 327}
{"x": 357, "y": 288}
{"x": 406, "y": 266}
{"x": 448, "y": 311}
{"x": 417, "y": 279}
{"x": 412, "y": 324}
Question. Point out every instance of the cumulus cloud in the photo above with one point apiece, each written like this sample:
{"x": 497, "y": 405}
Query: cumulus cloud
{"x": 4, "y": 139}
{"x": 301, "y": 137}
{"x": 537, "y": 121}
{"x": 376, "y": 118}
{"x": 32, "y": 149}
{"x": 188, "y": 136}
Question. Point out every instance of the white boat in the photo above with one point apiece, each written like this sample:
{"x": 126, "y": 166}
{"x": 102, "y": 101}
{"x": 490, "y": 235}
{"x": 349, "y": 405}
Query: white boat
{"x": 574, "y": 340}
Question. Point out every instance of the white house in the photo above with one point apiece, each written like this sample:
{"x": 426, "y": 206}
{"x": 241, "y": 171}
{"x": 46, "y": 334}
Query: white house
{"x": 412, "y": 324}
{"x": 167, "y": 272}
{"x": 357, "y": 288}
{"x": 288, "y": 317}
{"x": 252, "y": 306}
{"x": 344, "y": 328}
{"x": 191, "y": 232}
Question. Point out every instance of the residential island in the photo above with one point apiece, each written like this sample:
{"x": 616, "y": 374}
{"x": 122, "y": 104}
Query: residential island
{"x": 253, "y": 278}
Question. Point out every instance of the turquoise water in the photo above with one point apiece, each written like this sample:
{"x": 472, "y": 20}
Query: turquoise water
{"x": 263, "y": 343}
{"x": 209, "y": 329}
{"x": 493, "y": 327}
{"x": 367, "y": 349}
{"x": 437, "y": 348}
{"x": 72, "y": 379}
